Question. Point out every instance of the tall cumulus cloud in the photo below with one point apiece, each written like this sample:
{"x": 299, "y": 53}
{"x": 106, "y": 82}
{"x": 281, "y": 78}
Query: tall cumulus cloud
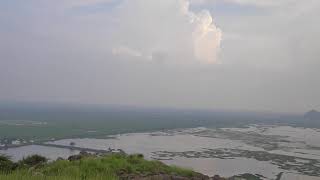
{"x": 165, "y": 30}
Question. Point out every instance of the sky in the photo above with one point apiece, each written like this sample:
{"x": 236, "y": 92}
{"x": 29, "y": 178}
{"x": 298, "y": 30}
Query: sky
{"x": 256, "y": 55}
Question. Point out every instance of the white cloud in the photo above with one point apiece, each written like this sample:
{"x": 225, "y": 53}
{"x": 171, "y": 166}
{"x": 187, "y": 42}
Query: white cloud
{"x": 167, "y": 27}
{"x": 126, "y": 52}
{"x": 207, "y": 38}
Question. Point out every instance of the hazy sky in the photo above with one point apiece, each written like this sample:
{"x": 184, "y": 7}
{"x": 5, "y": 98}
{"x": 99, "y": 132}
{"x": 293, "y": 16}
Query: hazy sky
{"x": 261, "y": 55}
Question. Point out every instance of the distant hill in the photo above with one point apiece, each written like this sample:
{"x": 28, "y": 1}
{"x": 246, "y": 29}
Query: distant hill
{"x": 312, "y": 115}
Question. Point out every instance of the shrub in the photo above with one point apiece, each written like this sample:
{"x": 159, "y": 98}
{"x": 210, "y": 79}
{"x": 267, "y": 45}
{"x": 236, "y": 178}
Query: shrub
{"x": 6, "y": 165}
{"x": 135, "y": 158}
{"x": 33, "y": 160}
{"x": 140, "y": 155}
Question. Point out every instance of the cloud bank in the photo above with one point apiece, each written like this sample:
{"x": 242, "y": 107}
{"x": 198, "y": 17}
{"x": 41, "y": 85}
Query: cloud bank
{"x": 147, "y": 28}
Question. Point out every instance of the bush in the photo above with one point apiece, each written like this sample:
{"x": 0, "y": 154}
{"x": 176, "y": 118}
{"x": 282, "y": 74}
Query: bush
{"x": 140, "y": 155}
{"x": 135, "y": 158}
{"x": 6, "y": 165}
{"x": 111, "y": 167}
{"x": 33, "y": 160}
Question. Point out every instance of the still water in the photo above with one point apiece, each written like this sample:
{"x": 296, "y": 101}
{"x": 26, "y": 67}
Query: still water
{"x": 258, "y": 149}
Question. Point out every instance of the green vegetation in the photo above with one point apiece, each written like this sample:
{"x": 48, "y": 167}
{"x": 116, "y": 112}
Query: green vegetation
{"x": 6, "y": 165}
{"x": 40, "y": 123}
{"x": 33, "y": 160}
{"x": 90, "y": 167}
{"x": 60, "y": 129}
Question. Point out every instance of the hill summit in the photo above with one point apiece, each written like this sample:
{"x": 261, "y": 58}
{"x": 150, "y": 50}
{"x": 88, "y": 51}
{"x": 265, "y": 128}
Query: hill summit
{"x": 312, "y": 115}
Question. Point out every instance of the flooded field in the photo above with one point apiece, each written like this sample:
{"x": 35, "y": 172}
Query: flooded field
{"x": 49, "y": 152}
{"x": 269, "y": 151}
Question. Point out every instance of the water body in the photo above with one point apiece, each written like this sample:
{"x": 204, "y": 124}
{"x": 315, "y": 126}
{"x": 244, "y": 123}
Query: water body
{"x": 257, "y": 149}
{"x": 50, "y": 152}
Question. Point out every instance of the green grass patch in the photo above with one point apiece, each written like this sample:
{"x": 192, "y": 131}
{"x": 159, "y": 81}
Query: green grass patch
{"x": 95, "y": 168}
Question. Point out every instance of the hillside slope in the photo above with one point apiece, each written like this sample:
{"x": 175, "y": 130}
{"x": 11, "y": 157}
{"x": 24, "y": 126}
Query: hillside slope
{"x": 93, "y": 167}
{"x": 85, "y": 166}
